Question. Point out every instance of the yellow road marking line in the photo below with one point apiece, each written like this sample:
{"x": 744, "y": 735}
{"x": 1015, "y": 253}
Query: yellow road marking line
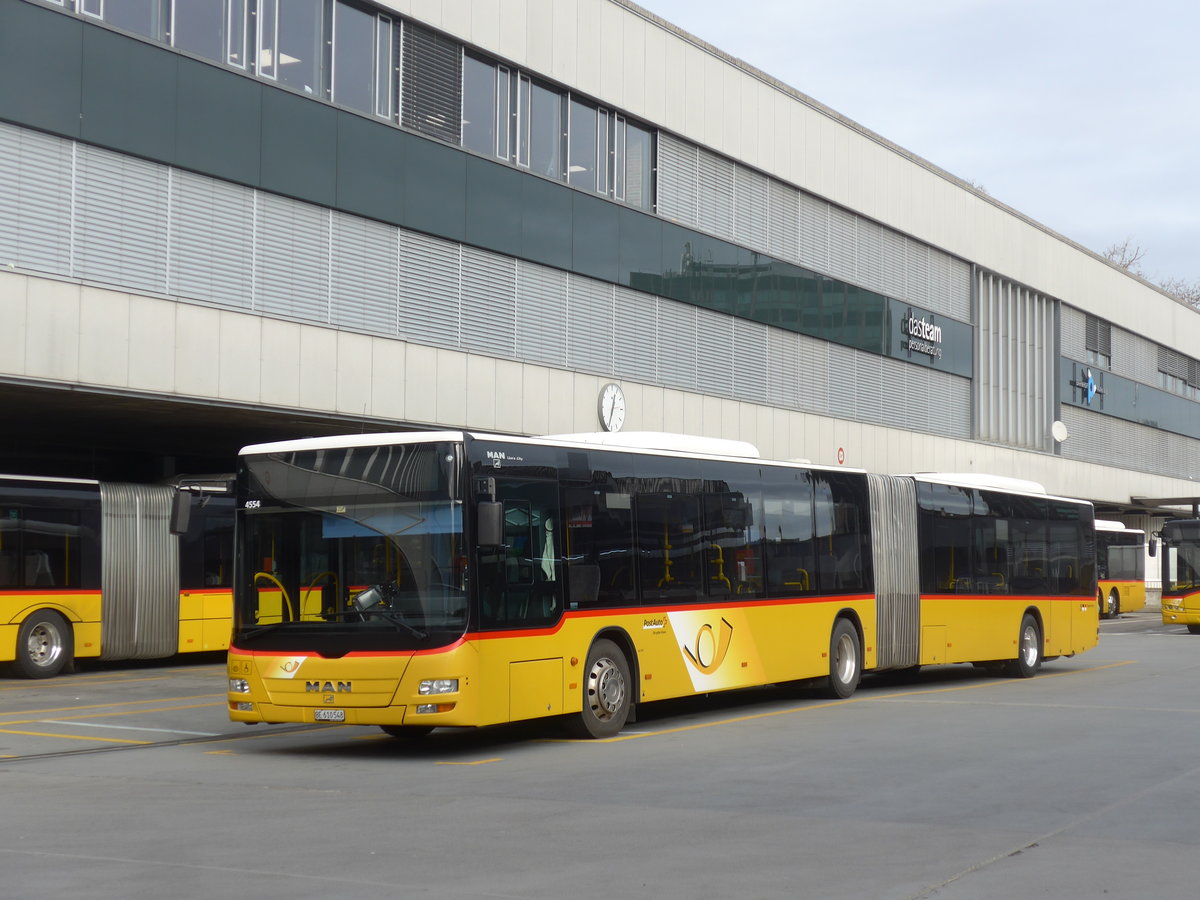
{"x": 858, "y": 698}
{"x": 59, "y": 709}
{"x": 478, "y": 762}
{"x": 72, "y": 737}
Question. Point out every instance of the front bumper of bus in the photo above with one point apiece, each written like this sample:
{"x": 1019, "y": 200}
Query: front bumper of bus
{"x": 391, "y": 690}
{"x": 1181, "y": 610}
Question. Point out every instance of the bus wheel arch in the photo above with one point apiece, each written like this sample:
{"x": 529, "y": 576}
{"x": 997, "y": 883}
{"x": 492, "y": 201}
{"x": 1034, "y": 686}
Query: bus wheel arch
{"x": 45, "y": 645}
{"x": 845, "y": 656}
{"x": 607, "y": 685}
{"x": 1030, "y": 646}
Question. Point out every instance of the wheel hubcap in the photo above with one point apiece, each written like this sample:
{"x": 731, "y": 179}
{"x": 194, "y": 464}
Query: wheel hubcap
{"x": 606, "y": 689}
{"x": 1029, "y": 649}
{"x": 45, "y": 645}
{"x": 846, "y": 663}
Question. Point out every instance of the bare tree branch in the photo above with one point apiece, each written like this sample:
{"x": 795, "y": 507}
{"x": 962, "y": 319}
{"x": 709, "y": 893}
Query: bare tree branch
{"x": 1126, "y": 254}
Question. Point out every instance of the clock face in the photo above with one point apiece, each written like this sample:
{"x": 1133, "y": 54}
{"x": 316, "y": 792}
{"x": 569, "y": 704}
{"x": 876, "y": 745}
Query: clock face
{"x": 612, "y": 407}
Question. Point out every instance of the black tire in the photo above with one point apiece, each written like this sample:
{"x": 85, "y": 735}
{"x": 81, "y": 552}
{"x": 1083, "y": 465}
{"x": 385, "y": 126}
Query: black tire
{"x": 1101, "y": 604}
{"x": 1112, "y": 608}
{"x": 845, "y": 660}
{"x": 45, "y": 645}
{"x": 1193, "y": 629}
{"x": 1029, "y": 649}
{"x": 607, "y": 693}
{"x": 406, "y": 731}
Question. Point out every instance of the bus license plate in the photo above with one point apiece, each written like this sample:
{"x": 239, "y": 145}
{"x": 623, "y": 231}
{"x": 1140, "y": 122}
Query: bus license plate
{"x": 329, "y": 715}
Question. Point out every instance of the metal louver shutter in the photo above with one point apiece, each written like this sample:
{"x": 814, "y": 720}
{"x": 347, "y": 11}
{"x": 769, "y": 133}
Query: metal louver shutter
{"x": 814, "y": 232}
{"x": 843, "y": 244}
{"x": 751, "y": 209}
{"x": 677, "y": 351}
{"x": 784, "y": 222}
{"x": 589, "y": 325}
{"x": 35, "y": 200}
{"x": 714, "y": 350}
{"x": 636, "y": 350}
{"x": 783, "y": 375}
{"x": 541, "y": 314}
{"x": 120, "y": 220}
{"x": 489, "y": 303}
{"x": 750, "y": 360}
{"x": 212, "y": 243}
{"x": 432, "y": 84}
{"x": 430, "y": 284}
{"x": 715, "y": 206}
{"x": 678, "y": 167}
{"x": 364, "y": 272}
{"x": 292, "y": 268}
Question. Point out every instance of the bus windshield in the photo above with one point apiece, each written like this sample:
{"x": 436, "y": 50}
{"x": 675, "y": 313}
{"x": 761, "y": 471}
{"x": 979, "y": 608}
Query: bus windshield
{"x": 1181, "y": 561}
{"x": 354, "y": 548}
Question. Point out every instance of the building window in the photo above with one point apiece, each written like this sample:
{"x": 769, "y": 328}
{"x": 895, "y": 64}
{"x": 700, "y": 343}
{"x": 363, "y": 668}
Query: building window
{"x": 581, "y": 146}
{"x": 1098, "y": 338}
{"x": 291, "y": 43}
{"x": 212, "y": 30}
{"x": 144, "y": 17}
{"x": 362, "y": 60}
{"x": 433, "y": 84}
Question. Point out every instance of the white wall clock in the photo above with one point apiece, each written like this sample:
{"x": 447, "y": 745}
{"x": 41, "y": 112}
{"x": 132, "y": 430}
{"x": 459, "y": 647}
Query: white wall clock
{"x": 612, "y": 407}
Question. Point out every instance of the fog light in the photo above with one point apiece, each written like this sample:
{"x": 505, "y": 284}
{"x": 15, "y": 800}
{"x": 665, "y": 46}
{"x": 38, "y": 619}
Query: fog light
{"x": 239, "y": 686}
{"x": 439, "y": 686}
{"x": 426, "y": 707}
{"x": 244, "y": 707}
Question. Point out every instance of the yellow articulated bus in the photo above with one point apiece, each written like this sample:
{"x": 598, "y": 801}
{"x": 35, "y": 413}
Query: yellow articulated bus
{"x": 1120, "y": 568}
{"x": 1181, "y": 573}
{"x": 422, "y": 580}
{"x": 112, "y": 571}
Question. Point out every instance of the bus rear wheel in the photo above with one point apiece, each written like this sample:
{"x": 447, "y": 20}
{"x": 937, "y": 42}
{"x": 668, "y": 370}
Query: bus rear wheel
{"x": 1029, "y": 649}
{"x": 845, "y": 660}
{"x": 45, "y": 645}
{"x": 607, "y": 696}
{"x": 1193, "y": 629}
{"x": 1112, "y": 608}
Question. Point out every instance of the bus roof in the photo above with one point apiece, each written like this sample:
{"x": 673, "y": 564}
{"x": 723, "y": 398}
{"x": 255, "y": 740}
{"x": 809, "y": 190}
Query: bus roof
{"x": 1110, "y": 525}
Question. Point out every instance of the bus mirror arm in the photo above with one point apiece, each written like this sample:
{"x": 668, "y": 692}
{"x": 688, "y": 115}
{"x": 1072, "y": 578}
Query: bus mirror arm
{"x": 489, "y": 530}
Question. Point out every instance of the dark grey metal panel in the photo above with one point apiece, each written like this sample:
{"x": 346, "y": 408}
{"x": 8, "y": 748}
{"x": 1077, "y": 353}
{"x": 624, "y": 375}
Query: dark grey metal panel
{"x": 40, "y": 68}
{"x": 897, "y": 579}
{"x": 139, "y": 578}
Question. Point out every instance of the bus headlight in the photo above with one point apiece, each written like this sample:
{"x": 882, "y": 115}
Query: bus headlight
{"x": 439, "y": 686}
{"x": 239, "y": 686}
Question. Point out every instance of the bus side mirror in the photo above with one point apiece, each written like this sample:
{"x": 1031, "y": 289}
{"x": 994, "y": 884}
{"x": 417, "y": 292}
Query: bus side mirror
{"x": 489, "y": 530}
{"x": 181, "y": 512}
{"x": 1152, "y": 547}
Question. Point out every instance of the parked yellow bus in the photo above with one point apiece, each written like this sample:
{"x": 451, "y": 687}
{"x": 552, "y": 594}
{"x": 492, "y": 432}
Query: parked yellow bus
{"x": 1181, "y": 573}
{"x": 420, "y": 580}
{"x": 92, "y": 569}
{"x": 1120, "y": 568}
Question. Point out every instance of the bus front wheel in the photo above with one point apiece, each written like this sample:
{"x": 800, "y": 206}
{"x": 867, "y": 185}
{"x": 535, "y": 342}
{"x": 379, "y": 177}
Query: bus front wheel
{"x": 1193, "y": 629}
{"x": 1112, "y": 608}
{"x": 606, "y": 693}
{"x": 45, "y": 645}
{"x": 1029, "y": 649}
{"x": 845, "y": 660}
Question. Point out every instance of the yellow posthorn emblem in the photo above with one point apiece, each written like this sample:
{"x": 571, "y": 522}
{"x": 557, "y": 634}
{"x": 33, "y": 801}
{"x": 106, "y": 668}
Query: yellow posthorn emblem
{"x": 710, "y": 651}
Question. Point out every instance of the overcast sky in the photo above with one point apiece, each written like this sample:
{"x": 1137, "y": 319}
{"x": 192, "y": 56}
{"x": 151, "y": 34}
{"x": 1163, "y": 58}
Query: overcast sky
{"x": 1082, "y": 114}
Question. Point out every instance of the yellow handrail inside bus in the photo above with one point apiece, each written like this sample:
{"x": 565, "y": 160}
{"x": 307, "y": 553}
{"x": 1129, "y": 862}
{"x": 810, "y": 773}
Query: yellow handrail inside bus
{"x": 801, "y": 580}
{"x": 718, "y": 559}
{"x": 312, "y": 584}
{"x": 286, "y": 599}
{"x": 667, "y": 563}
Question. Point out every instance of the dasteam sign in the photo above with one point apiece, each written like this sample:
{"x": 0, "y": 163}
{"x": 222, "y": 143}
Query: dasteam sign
{"x": 931, "y": 339}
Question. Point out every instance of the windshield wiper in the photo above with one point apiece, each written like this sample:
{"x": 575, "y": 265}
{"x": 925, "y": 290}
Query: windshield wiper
{"x": 255, "y": 633}
{"x": 367, "y": 615}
